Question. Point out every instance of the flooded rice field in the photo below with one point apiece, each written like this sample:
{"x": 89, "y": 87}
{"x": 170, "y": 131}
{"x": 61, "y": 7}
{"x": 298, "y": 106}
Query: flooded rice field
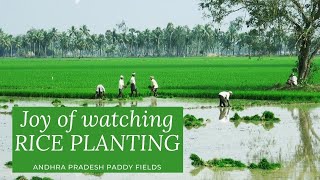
{"x": 294, "y": 141}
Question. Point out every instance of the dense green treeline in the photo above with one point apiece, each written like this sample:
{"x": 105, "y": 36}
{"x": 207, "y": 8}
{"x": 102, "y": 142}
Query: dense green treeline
{"x": 201, "y": 40}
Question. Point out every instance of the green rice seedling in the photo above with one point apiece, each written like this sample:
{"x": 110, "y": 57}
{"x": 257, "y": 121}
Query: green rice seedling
{"x": 56, "y": 102}
{"x": 11, "y": 100}
{"x": 46, "y": 178}
{"x": 253, "y": 166}
{"x": 3, "y": 100}
{"x": 15, "y": 105}
{"x": 235, "y": 117}
{"x": 267, "y": 119}
{"x": 40, "y": 178}
{"x": 36, "y": 178}
{"x": 190, "y": 121}
{"x": 175, "y": 76}
{"x": 231, "y": 163}
{"x": 237, "y": 108}
{"x": 4, "y": 106}
{"x": 196, "y": 160}
{"x": 227, "y": 162}
{"x": 94, "y": 174}
{"x": 21, "y": 178}
{"x": 269, "y": 116}
{"x": 8, "y": 164}
{"x": 264, "y": 164}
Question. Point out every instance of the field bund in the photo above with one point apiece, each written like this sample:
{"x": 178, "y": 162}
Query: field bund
{"x": 177, "y": 77}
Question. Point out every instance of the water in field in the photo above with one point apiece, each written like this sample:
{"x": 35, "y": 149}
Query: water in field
{"x": 294, "y": 141}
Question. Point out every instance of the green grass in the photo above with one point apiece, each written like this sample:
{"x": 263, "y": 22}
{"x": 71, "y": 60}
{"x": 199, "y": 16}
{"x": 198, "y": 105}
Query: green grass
{"x": 177, "y": 77}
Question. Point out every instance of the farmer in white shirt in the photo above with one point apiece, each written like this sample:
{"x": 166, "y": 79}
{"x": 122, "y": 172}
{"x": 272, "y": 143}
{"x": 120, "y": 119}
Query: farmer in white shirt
{"x": 154, "y": 86}
{"x": 100, "y": 91}
{"x": 133, "y": 85}
{"x": 293, "y": 80}
{"x": 121, "y": 87}
{"x": 224, "y": 98}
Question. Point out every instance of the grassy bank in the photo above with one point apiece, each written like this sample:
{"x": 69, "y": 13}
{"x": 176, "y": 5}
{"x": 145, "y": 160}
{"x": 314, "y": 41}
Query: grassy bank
{"x": 177, "y": 77}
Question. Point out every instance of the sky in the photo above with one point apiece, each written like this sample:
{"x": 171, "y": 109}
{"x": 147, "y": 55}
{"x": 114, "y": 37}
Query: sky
{"x": 18, "y": 16}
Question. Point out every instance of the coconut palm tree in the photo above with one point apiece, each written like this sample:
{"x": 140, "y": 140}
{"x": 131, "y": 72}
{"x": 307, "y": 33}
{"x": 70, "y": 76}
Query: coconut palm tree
{"x": 64, "y": 43}
{"x": 100, "y": 43}
{"x": 53, "y": 39}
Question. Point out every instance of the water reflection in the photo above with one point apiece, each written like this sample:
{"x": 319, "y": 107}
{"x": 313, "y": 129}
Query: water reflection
{"x": 224, "y": 114}
{"x": 120, "y": 104}
{"x": 294, "y": 141}
{"x": 100, "y": 103}
{"x": 153, "y": 102}
{"x": 305, "y": 162}
{"x": 134, "y": 103}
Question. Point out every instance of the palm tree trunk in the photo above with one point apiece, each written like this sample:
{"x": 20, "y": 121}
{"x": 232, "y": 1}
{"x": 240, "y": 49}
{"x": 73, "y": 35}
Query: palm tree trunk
{"x": 34, "y": 49}
{"x": 39, "y": 49}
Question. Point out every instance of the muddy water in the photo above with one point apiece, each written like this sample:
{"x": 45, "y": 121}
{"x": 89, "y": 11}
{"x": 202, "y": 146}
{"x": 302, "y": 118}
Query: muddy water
{"x": 294, "y": 141}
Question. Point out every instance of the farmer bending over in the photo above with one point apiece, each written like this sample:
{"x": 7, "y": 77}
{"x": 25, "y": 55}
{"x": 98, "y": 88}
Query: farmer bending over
{"x": 224, "y": 98}
{"x": 133, "y": 85}
{"x": 293, "y": 80}
{"x": 100, "y": 91}
{"x": 121, "y": 87}
{"x": 154, "y": 86}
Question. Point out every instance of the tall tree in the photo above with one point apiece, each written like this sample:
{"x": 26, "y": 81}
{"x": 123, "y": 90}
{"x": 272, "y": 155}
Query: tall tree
{"x": 300, "y": 16}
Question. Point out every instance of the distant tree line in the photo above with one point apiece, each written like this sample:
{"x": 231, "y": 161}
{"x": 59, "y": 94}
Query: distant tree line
{"x": 201, "y": 40}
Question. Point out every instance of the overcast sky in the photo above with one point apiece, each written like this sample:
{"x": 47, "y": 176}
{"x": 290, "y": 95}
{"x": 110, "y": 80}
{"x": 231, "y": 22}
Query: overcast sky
{"x": 17, "y": 16}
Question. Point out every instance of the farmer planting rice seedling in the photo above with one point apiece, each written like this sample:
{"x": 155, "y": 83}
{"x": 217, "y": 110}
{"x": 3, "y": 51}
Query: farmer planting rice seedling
{"x": 133, "y": 85}
{"x": 154, "y": 86}
{"x": 293, "y": 80}
{"x": 121, "y": 87}
{"x": 100, "y": 91}
{"x": 224, "y": 98}
{"x": 262, "y": 55}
